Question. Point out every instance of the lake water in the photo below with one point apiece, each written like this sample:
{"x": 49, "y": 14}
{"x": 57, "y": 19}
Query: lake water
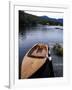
{"x": 44, "y": 34}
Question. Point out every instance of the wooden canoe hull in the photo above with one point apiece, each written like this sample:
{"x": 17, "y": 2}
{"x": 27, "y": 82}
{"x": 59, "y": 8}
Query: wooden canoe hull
{"x": 31, "y": 64}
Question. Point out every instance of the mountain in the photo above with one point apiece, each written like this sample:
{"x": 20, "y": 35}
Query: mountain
{"x": 28, "y": 20}
{"x": 44, "y": 17}
{"x": 60, "y": 20}
{"x": 52, "y": 19}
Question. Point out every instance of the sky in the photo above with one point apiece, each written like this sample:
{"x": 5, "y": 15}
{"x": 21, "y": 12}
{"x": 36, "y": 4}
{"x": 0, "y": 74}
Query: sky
{"x": 49, "y": 14}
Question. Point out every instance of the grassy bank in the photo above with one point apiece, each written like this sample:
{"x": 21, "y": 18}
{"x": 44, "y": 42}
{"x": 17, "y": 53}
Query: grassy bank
{"x": 58, "y": 49}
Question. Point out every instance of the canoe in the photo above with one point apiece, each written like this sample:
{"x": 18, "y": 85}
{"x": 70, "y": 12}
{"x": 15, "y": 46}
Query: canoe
{"x": 34, "y": 60}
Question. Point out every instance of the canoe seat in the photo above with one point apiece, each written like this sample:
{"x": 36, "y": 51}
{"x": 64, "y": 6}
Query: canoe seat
{"x": 39, "y": 51}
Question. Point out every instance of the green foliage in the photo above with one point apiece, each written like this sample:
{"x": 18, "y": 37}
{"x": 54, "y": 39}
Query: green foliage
{"x": 27, "y": 20}
{"x": 58, "y": 50}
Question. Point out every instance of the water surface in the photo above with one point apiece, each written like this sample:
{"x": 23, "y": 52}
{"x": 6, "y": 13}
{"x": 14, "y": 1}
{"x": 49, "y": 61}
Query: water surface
{"x": 43, "y": 34}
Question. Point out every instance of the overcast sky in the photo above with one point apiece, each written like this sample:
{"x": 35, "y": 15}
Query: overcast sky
{"x": 49, "y": 14}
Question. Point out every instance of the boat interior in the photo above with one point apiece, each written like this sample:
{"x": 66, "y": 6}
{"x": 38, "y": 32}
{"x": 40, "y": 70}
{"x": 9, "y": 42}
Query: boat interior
{"x": 38, "y": 51}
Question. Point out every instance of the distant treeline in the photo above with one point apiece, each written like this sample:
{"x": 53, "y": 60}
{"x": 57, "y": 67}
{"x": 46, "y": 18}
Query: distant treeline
{"x": 27, "y": 20}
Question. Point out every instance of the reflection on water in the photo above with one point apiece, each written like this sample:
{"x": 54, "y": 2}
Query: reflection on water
{"x": 42, "y": 33}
